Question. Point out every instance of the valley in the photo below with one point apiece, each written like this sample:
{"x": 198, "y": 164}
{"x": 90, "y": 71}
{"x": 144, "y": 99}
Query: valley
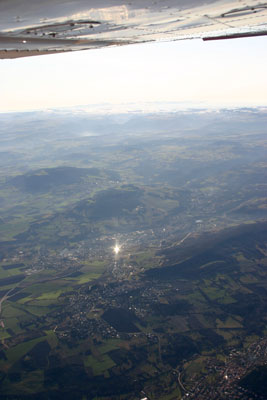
{"x": 181, "y": 303}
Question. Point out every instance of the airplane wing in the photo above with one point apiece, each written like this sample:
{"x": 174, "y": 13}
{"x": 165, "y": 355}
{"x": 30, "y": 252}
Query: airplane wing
{"x": 30, "y": 27}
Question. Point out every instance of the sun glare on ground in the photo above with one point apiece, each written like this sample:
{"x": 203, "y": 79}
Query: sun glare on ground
{"x": 116, "y": 249}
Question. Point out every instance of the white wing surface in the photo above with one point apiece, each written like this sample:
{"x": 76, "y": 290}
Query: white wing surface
{"x": 33, "y": 27}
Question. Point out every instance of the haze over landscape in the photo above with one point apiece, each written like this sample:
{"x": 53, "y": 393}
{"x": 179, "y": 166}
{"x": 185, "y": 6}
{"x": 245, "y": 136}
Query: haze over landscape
{"x": 133, "y": 224}
{"x": 221, "y": 73}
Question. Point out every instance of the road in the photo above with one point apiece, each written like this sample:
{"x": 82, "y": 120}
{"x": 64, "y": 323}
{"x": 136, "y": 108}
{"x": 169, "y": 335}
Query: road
{"x": 4, "y": 298}
{"x": 186, "y": 236}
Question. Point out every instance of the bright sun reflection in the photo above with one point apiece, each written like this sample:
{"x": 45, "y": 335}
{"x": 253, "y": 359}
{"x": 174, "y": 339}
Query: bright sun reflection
{"x": 116, "y": 249}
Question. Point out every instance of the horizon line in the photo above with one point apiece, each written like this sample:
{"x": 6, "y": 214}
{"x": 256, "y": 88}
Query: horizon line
{"x": 137, "y": 107}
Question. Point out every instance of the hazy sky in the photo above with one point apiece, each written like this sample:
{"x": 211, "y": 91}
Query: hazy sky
{"x": 231, "y": 72}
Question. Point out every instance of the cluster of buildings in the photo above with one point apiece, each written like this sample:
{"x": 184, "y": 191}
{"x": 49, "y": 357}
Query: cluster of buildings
{"x": 229, "y": 374}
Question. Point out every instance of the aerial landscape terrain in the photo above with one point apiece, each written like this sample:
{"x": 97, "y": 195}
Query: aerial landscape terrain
{"x": 133, "y": 255}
